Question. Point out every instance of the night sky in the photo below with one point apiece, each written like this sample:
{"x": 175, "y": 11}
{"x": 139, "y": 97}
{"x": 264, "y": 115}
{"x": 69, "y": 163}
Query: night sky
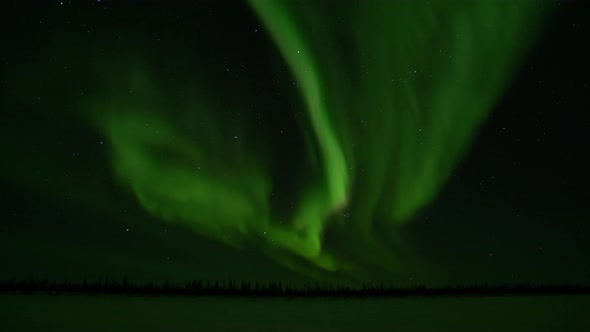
{"x": 412, "y": 142}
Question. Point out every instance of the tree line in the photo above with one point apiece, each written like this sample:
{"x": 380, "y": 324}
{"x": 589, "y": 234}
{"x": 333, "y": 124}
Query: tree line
{"x": 275, "y": 289}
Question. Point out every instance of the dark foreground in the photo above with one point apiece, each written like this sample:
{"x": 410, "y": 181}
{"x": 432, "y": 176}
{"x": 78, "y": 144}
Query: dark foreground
{"x": 135, "y": 313}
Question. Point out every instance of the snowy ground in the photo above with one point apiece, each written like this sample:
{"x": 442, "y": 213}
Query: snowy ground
{"x": 118, "y": 313}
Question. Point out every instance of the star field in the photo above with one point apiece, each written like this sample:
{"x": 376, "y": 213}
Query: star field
{"x": 416, "y": 142}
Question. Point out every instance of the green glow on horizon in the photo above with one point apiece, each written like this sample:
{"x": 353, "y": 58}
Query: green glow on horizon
{"x": 393, "y": 92}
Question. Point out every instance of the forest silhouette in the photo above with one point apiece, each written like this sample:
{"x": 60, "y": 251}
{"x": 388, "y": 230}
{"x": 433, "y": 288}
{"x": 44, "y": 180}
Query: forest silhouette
{"x": 229, "y": 288}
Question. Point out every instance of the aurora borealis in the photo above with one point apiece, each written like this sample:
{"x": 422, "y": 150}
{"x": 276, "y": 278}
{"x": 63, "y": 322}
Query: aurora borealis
{"x": 321, "y": 135}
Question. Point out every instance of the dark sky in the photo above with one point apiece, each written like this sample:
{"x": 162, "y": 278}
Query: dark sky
{"x": 174, "y": 140}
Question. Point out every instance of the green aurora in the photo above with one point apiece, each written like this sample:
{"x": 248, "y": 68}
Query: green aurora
{"x": 390, "y": 95}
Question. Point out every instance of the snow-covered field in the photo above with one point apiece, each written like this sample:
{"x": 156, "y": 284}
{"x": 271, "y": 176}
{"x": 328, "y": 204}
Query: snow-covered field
{"x": 119, "y": 313}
